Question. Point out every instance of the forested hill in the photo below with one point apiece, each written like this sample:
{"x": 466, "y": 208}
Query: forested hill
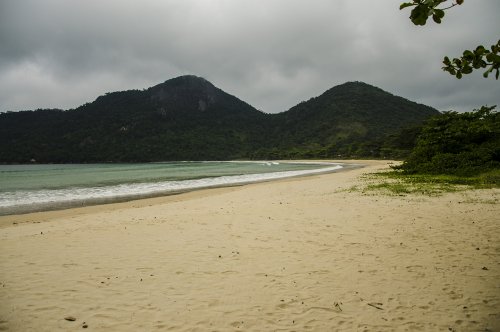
{"x": 188, "y": 118}
{"x": 185, "y": 118}
{"x": 352, "y": 119}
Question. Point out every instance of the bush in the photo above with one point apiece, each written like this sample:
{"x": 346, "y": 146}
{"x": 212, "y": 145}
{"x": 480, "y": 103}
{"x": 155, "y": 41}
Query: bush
{"x": 463, "y": 144}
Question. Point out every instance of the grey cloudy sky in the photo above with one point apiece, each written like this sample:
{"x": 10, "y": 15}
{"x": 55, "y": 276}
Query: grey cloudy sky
{"x": 269, "y": 53}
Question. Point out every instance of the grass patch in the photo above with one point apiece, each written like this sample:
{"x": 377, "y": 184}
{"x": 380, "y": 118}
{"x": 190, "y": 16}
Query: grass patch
{"x": 397, "y": 183}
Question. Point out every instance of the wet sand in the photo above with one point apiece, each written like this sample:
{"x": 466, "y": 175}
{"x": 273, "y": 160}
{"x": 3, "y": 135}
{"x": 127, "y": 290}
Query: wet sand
{"x": 301, "y": 254}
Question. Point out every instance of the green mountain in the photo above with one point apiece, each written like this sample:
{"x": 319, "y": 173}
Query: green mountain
{"x": 350, "y": 120}
{"x": 188, "y": 118}
{"x": 185, "y": 118}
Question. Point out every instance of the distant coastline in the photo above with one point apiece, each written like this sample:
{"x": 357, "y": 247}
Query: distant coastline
{"x": 22, "y": 201}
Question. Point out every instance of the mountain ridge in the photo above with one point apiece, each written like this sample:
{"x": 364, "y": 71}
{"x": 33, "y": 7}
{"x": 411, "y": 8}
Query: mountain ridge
{"x": 188, "y": 118}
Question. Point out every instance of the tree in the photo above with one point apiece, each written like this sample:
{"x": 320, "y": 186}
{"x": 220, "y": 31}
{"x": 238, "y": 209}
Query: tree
{"x": 470, "y": 60}
{"x": 464, "y": 144}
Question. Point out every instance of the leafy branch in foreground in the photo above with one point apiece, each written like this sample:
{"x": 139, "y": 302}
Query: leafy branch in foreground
{"x": 475, "y": 59}
{"x": 423, "y": 9}
{"x": 478, "y": 58}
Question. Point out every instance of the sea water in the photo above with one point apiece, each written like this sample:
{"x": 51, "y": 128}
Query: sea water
{"x": 28, "y": 188}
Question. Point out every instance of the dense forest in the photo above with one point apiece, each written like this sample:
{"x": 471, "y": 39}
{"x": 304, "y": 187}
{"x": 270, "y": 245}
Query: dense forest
{"x": 188, "y": 118}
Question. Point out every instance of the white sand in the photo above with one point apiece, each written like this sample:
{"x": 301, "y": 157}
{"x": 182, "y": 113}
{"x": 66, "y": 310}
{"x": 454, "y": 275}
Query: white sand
{"x": 292, "y": 255}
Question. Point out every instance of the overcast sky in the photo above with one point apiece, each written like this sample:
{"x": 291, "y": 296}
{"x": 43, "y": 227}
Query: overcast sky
{"x": 270, "y": 53}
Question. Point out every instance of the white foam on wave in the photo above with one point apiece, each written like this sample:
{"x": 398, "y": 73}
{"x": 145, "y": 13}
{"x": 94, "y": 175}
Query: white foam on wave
{"x": 17, "y": 201}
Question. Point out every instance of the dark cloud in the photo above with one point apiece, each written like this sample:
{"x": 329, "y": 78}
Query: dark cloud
{"x": 272, "y": 54}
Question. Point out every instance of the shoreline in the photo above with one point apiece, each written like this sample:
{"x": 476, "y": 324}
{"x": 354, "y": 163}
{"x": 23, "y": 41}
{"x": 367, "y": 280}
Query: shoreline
{"x": 64, "y": 205}
{"x": 297, "y": 254}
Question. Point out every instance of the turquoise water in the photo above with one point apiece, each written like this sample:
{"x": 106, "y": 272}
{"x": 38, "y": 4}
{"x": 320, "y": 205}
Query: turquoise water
{"x": 27, "y": 188}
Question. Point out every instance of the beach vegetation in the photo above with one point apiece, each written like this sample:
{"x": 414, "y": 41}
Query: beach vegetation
{"x": 454, "y": 149}
{"x": 458, "y": 144}
{"x": 398, "y": 183}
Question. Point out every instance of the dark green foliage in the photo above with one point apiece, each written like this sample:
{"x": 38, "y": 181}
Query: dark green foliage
{"x": 348, "y": 121}
{"x": 187, "y": 118}
{"x": 400, "y": 144}
{"x": 475, "y": 59}
{"x": 462, "y": 144}
{"x": 423, "y": 9}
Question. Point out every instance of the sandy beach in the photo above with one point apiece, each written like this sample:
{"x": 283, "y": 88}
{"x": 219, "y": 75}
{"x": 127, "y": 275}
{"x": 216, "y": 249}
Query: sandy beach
{"x": 300, "y": 254}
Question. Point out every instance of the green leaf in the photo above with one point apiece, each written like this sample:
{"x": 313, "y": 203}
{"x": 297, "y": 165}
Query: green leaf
{"x": 451, "y": 71}
{"x": 466, "y": 70}
{"x": 493, "y": 58}
{"x": 419, "y": 14}
{"x": 468, "y": 55}
{"x": 486, "y": 73}
{"x": 480, "y": 50}
{"x": 439, "y": 13}
{"x": 479, "y": 64}
{"x": 406, "y": 4}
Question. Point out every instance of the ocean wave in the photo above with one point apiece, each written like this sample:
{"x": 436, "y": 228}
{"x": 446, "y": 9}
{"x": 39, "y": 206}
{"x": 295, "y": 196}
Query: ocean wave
{"x": 37, "y": 200}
